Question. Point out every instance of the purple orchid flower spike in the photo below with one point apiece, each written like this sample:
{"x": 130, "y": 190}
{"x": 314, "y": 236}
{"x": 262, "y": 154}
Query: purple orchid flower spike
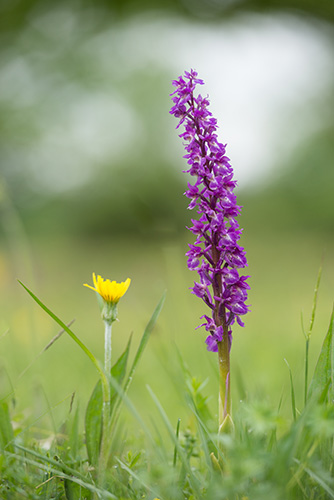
{"x": 215, "y": 254}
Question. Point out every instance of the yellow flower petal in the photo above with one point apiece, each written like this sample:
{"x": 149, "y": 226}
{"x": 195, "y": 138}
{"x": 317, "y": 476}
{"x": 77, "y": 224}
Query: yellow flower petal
{"x": 110, "y": 291}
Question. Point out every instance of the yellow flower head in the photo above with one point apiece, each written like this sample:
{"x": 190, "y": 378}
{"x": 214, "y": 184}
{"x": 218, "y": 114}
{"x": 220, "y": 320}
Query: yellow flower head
{"x": 110, "y": 291}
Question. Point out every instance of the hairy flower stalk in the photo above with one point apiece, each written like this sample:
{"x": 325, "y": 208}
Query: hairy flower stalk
{"x": 110, "y": 293}
{"x": 215, "y": 254}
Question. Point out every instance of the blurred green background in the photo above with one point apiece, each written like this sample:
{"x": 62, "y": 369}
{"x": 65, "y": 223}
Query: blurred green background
{"x": 91, "y": 180}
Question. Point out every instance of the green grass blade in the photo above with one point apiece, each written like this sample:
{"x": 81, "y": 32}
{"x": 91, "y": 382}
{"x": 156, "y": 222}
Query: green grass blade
{"x": 192, "y": 479}
{"x": 302, "y": 324}
{"x": 6, "y": 429}
{"x": 66, "y": 476}
{"x": 52, "y": 341}
{"x": 308, "y": 335}
{"x": 177, "y": 432}
{"x": 194, "y": 389}
{"x": 67, "y": 330}
{"x": 51, "y": 462}
{"x": 307, "y": 345}
{"x": 293, "y": 399}
{"x": 316, "y": 478}
{"x": 125, "y": 399}
{"x": 315, "y": 299}
{"x": 137, "y": 478}
{"x": 147, "y": 332}
{"x": 324, "y": 370}
{"x": 205, "y": 436}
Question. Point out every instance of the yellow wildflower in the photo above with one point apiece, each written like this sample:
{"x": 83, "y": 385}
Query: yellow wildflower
{"x": 110, "y": 291}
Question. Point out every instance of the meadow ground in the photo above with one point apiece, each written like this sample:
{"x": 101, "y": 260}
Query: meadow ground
{"x": 283, "y": 269}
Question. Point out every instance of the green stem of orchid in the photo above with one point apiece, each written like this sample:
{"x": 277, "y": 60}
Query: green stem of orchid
{"x": 224, "y": 380}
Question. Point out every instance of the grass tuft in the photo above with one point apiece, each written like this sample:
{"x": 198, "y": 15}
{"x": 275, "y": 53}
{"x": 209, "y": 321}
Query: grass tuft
{"x": 268, "y": 454}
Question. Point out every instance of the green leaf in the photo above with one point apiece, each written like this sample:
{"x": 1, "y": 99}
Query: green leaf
{"x": 93, "y": 424}
{"x": 118, "y": 372}
{"x": 6, "y": 429}
{"x": 74, "y": 438}
{"x": 324, "y": 370}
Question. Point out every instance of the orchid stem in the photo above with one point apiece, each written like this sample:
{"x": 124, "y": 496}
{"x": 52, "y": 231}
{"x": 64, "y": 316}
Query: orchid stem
{"x": 224, "y": 380}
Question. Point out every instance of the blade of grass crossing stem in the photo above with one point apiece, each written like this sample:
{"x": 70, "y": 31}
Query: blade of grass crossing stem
{"x": 147, "y": 332}
{"x": 324, "y": 370}
{"x": 68, "y": 331}
{"x": 308, "y": 335}
{"x": 293, "y": 399}
{"x": 192, "y": 479}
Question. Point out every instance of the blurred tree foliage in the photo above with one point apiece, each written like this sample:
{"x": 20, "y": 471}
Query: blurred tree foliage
{"x": 301, "y": 196}
{"x": 138, "y": 191}
{"x": 15, "y": 14}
